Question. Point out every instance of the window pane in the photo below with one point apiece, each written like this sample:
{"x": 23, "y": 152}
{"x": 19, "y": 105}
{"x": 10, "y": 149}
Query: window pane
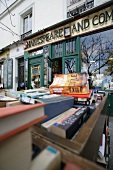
{"x": 70, "y": 47}
{"x": 96, "y": 50}
{"x": 25, "y": 25}
{"x": 35, "y": 76}
{"x": 30, "y": 22}
{"x": 70, "y": 65}
{"x": 67, "y": 48}
{"x": 58, "y": 50}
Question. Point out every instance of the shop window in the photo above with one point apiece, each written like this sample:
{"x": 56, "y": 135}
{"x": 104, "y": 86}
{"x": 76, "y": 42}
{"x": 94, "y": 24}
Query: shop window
{"x": 96, "y": 51}
{"x": 70, "y": 65}
{"x": 35, "y": 76}
{"x": 70, "y": 47}
{"x": 58, "y": 50}
{"x": 8, "y": 74}
{"x": 57, "y": 66}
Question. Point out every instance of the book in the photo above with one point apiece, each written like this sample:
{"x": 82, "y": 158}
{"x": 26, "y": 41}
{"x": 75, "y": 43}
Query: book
{"x": 48, "y": 159}
{"x": 13, "y": 94}
{"x": 56, "y": 105}
{"x": 102, "y": 147}
{"x": 13, "y": 103}
{"x": 2, "y": 104}
{"x": 48, "y": 124}
{"x": 16, "y": 151}
{"x": 15, "y": 135}
{"x": 17, "y": 118}
{"x": 71, "y": 166}
{"x": 5, "y": 99}
{"x": 68, "y": 125}
{"x": 74, "y": 83}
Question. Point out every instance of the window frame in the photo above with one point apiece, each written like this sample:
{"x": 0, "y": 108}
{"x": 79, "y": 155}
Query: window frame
{"x": 28, "y": 23}
{"x": 24, "y": 14}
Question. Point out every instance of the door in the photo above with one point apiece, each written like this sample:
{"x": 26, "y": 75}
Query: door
{"x": 35, "y": 73}
{"x": 20, "y": 74}
{"x": 35, "y": 76}
{"x": 56, "y": 67}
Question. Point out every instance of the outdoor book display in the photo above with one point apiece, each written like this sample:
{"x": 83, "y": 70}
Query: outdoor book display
{"x": 85, "y": 144}
{"x": 66, "y": 136}
{"x": 75, "y": 85}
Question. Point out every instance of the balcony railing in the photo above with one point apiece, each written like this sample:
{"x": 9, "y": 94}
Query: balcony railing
{"x": 26, "y": 34}
{"x": 79, "y": 9}
{"x": 71, "y": 2}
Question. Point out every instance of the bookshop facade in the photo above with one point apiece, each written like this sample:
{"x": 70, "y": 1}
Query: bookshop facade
{"x": 81, "y": 44}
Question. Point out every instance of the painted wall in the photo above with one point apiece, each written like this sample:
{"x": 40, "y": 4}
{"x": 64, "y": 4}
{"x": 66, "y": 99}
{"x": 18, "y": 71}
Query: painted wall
{"x": 5, "y": 3}
{"x": 99, "y": 2}
{"x": 15, "y": 53}
{"x": 45, "y": 13}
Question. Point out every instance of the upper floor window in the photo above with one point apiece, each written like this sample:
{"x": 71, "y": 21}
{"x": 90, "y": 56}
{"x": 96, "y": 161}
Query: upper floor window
{"x": 78, "y": 7}
{"x": 90, "y": 4}
{"x": 71, "y": 2}
{"x": 26, "y": 23}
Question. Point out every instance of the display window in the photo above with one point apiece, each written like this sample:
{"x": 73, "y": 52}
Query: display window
{"x": 96, "y": 54}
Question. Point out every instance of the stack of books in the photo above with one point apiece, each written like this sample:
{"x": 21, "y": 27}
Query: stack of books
{"x": 15, "y": 135}
{"x": 56, "y": 105}
{"x": 75, "y": 83}
{"x": 67, "y": 123}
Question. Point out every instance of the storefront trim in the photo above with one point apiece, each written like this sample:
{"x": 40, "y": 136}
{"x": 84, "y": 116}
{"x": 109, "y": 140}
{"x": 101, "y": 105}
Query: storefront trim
{"x": 92, "y": 22}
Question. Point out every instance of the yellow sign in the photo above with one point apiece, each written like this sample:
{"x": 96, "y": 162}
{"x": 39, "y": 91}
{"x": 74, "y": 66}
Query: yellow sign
{"x": 93, "y": 22}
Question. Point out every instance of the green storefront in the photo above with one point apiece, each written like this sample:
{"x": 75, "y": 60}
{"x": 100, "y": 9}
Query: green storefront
{"x": 57, "y": 58}
{"x": 58, "y": 50}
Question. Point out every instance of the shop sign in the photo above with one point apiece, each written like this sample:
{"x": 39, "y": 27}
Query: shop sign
{"x": 89, "y": 23}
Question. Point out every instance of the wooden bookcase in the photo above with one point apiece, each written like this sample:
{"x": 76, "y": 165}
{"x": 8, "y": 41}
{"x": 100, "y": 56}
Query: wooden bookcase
{"x": 83, "y": 150}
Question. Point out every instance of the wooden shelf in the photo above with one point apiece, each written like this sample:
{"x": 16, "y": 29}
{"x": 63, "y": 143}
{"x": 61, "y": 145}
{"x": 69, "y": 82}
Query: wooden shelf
{"x": 102, "y": 161}
{"x": 84, "y": 145}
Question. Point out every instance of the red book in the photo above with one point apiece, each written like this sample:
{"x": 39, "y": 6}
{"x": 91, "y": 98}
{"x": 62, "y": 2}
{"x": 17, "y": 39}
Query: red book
{"x": 72, "y": 166}
{"x": 18, "y": 118}
{"x": 88, "y": 95}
